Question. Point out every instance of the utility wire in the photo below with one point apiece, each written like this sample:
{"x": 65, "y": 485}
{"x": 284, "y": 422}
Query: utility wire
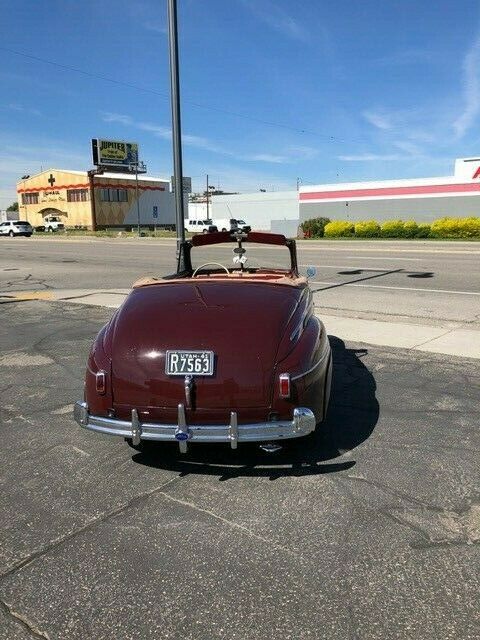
{"x": 166, "y": 96}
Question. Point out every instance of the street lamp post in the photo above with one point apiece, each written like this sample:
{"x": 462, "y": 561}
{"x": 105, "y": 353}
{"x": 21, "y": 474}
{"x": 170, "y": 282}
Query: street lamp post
{"x": 176, "y": 128}
{"x": 137, "y": 198}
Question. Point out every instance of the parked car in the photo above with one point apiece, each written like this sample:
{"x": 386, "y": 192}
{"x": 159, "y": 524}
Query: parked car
{"x": 199, "y": 226}
{"x": 16, "y": 228}
{"x": 53, "y": 223}
{"x": 166, "y": 368}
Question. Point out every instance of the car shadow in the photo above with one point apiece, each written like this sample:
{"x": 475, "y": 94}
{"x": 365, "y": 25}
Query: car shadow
{"x": 352, "y": 416}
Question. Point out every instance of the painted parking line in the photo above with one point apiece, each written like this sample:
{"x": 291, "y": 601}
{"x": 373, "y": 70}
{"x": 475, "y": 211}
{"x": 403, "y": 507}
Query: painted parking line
{"x": 380, "y": 286}
{"x": 29, "y": 295}
{"x": 350, "y": 267}
{"x": 382, "y": 258}
{"x": 473, "y": 251}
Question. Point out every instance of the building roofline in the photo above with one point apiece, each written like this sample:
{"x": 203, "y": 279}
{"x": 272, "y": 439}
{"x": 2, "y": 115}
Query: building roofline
{"x": 35, "y": 175}
{"x": 379, "y": 184}
{"x": 130, "y": 176}
{"x": 106, "y": 174}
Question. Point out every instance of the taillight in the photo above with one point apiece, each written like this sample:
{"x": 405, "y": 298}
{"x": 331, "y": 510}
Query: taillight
{"x": 284, "y": 380}
{"x": 101, "y": 382}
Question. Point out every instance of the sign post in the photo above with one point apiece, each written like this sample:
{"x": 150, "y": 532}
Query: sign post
{"x": 176, "y": 128}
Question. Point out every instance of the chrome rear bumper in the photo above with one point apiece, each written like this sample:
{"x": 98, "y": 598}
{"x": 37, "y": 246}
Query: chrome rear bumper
{"x": 302, "y": 423}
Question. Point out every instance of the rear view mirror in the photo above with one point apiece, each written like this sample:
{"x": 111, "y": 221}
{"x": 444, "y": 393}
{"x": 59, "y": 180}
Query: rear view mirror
{"x": 311, "y": 272}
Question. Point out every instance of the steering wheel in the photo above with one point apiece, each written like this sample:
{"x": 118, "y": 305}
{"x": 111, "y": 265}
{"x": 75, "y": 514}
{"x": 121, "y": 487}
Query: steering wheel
{"x": 206, "y": 264}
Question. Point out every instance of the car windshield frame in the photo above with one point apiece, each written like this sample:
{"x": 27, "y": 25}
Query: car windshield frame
{"x": 241, "y": 240}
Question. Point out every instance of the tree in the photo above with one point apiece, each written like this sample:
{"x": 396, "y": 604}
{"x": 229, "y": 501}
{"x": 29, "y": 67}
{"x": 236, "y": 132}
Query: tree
{"x": 13, "y": 207}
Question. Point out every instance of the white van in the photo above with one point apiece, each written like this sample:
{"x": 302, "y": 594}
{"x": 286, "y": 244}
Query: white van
{"x": 225, "y": 224}
{"x": 231, "y": 224}
{"x": 198, "y": 226}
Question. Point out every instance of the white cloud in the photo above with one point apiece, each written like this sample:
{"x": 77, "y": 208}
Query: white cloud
{"x": 471, "y": 90}
{"x": 410, "y": 56}
{"x": 157, "y": 28}
{"x": 276, "y": 18}
{"x": 371, "y": 157}
{"x": 408, "y": 147}
{"x": 267, "y": 157}
{"x": 379, "y": 120}
{"x": 199, "y": 142}
{"x": 22, "y": 109}
{"x": 302, "y": 152}
{"x": 107, "y": 116}
{"x": 420, "y": 135}
{"x": 233, "y": 178}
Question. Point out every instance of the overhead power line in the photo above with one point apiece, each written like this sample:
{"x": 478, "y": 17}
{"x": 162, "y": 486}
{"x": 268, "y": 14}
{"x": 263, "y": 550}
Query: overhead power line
{"x": 166, "y": 96}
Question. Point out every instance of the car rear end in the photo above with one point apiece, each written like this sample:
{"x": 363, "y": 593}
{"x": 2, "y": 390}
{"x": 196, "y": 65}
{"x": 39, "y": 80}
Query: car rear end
{"x": 158, "y": 379}
{"x": 22, "y": 228}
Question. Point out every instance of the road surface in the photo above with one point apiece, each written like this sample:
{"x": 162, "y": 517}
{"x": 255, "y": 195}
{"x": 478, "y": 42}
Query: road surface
{"x": 431, "y": 281}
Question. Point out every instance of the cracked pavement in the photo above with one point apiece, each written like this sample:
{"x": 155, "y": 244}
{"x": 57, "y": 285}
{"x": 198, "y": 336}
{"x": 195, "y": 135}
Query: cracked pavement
{"x": 371, "y": 531}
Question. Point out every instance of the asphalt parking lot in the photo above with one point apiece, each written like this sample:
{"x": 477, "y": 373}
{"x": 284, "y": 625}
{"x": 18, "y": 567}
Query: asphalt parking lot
{"x": 370, "y": 532}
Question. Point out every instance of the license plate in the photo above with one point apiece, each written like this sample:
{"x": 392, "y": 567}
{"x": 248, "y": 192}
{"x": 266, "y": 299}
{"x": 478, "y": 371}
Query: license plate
{"x": 196, "y": 363}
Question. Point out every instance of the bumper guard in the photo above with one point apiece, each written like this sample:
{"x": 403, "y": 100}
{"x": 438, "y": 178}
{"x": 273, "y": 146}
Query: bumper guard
{"x": 302, "y": 424}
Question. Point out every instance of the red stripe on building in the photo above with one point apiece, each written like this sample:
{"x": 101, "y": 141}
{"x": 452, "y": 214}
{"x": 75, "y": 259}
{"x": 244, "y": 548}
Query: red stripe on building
{"x": 55, "y": 188}
{"x": 431, "y": 189}
{"x": 145, "y": 187}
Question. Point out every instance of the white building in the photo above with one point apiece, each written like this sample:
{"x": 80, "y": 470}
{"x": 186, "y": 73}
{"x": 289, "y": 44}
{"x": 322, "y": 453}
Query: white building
{"x": 420, "y": 199}
{"x": 269, "y": 211}
{"x": 8, "y": 215}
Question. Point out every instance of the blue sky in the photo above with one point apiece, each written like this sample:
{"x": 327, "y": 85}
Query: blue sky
{"x": 272, "y": 90}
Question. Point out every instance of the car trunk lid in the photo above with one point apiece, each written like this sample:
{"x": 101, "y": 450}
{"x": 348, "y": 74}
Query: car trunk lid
{"x": 241, "y": 322}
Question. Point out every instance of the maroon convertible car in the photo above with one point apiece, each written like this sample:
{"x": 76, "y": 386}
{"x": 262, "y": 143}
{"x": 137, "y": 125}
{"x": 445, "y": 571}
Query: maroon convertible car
{"x": 213, "y": 353}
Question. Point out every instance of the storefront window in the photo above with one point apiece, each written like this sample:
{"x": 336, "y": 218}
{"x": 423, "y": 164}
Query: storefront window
{"x": 77, "y": 195}
{"x": 30, "y": 198}
{"x": 113, "y": 195}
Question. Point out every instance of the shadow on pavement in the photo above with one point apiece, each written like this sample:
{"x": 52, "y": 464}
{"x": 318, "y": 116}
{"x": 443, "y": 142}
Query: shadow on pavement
{"x": 352, "y": 416}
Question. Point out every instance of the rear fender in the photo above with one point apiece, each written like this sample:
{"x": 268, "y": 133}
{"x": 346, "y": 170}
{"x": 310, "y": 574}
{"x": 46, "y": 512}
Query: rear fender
{"x": 308, "y": 366}
{"x": 98, "y": 360}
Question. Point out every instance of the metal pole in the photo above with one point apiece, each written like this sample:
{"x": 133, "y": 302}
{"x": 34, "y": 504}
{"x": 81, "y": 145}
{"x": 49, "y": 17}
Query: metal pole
{"x": 176, "y": 125}
{"x": 138, "y": 200}
{"x": 91, "y": 179}
{"x": 208, "y": 217}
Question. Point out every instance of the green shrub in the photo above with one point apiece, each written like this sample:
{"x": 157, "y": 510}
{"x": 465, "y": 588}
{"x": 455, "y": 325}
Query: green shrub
{"x": 410, "y": 229}
{"x": 423, "y": 231}
{"x": 339, "y": 229}
{"x": 367, "y": 229}
{"x": 392, "y": 229}
{"x": 456, "y": 228}
{"x": 315, "y": 227}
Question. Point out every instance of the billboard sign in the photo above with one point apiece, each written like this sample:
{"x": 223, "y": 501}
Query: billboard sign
{"x": 114, "y": 153}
